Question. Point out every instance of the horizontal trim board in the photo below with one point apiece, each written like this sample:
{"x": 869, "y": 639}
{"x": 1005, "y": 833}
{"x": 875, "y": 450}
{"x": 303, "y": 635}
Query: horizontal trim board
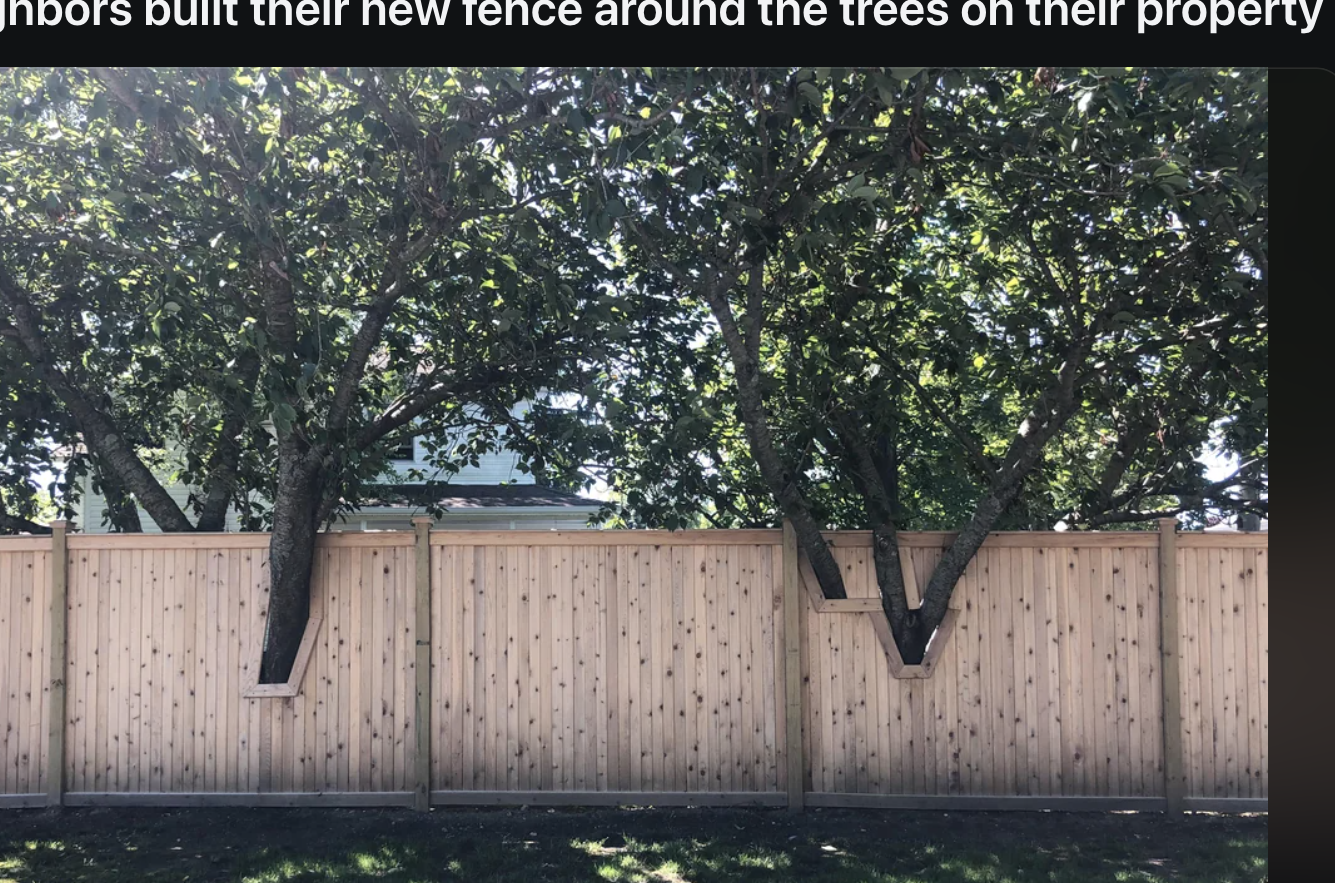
{"x": 608, "y": 798}
{"x": 356, "y": 539}
{"x": 25, "y": 544}
{"x": 606, "y": 537}
{"x": 984, "y": 802}
{"x": 1020, "y": 539}
{"x": 22, "y": 801}
{"x": 1226, "y": 804}
{"x": 595, "y": 537}
{"x": 81, "y": 541}
{"x": 270, "y": 691}
{"x": 1193, "y": 540}
{"x": 303, "y": 798}
{"x": 850, "y": 605}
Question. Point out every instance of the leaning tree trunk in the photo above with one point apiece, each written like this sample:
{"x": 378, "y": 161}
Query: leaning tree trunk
{"x": 296, "y": 523}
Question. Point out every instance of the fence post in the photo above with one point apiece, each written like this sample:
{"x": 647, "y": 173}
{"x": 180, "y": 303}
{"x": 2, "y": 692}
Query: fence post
{"x": 422, "y": 667}
{"x": 792, "y": 650}
{"x": 55, "y": 749}
{"x": 1170, "y": 667}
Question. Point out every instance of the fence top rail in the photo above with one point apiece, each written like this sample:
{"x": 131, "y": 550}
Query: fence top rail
{"x": 759, "y": 537}
{"x": 1198, "y": 540}
{"x": 25, "y": 544}
{"x": 333, "y": 539}
{"x": 607, "y": 537}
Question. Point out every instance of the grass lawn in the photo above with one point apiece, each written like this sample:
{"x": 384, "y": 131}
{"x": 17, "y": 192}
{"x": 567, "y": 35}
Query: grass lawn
{"x": 527, "y": 846}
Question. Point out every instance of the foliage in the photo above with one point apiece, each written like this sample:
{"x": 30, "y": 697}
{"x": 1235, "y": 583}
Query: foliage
{"x": 879, "y": 298}
{"x": 945, "y": 298}
{"x": 930, "y": 296}
{"x": 261, "y": 280}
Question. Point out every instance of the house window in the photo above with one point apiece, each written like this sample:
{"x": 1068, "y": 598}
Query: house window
{"x": 403, "y": 452}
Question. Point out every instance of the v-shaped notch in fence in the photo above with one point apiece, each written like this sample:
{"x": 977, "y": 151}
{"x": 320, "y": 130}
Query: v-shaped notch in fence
{"x": 879, "y": 622}
{"x": 256, "y": 690}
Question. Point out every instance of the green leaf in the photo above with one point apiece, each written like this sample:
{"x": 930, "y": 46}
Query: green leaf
{"x": 812, "y": 94}
{"x": 867, "y": 193}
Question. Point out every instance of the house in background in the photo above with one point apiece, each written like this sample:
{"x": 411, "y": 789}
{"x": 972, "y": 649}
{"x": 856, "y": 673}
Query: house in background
{"x": 494, "y": 495}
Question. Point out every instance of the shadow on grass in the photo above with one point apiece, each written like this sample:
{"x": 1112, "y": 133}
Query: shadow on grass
{"x": 698, "y": 846}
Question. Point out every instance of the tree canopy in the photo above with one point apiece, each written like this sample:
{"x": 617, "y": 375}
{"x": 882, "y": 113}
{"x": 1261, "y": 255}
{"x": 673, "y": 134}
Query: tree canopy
{"x": 892, "y": 298}
{"x": 949, "y": 298}
{"x": 276, "y": 275}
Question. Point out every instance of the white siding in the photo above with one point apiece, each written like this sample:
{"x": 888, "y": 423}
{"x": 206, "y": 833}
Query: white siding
{"x": 499, "y": 467}
{"x": 495, "y": 468}
{"x": 496, "y": 519}
{"x": 89, "y": 518}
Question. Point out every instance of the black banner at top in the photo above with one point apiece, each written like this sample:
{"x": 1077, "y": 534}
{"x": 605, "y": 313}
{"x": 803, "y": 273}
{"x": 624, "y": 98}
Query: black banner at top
{"x": 657, "y": 32}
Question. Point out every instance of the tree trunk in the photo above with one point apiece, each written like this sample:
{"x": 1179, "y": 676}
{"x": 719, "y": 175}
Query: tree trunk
{"x": 296, "y": 523}
{"x": 894, "y": 599}
{"x": 955, "y": 560}
{"x": 755, "y": 423}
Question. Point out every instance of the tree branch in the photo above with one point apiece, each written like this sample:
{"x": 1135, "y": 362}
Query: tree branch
{"x": 100, "y": 432}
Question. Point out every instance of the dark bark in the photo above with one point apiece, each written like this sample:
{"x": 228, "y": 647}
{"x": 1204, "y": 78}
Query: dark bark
{"x": 122, "y": 513}
{"x": 1044, "y": 420}
{"x": 296, "y": 522}
{"x": 905, "y": 622}
{"x": 17, "y": 524}
{"x": 782, "y": 484}
{"x": 954, "y": 561}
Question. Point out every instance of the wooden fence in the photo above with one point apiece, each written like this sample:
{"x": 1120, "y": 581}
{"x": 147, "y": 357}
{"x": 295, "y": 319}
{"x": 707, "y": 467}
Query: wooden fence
{"x": 609, "y": 667}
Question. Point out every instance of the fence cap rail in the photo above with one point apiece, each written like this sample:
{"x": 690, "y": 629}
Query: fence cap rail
{"x": 747, "y": 537}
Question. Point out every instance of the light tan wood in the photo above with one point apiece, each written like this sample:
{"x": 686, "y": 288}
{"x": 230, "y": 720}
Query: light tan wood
{"x": 947, "y": 803}
{"x": 242, "y": 799}
{"x": 305, "y": 651}
{"x": 1013, "y": 539}
{"x": 792, "y": 670}
{"x": 850, "y": 605}
{"x": 59, "y": 595}
{"x": 1175, "y": 785}
{"x": 422, "y": 674}
{"x": 86, "y": 542}
{"x": 605, "y": 798}
{"x": 635, "y": 667}
{"x": 1200, "y": 540}
{"x": 567, "y": 538}
{"x": 1262, "y": 628}
{"x": 10, "y": 545}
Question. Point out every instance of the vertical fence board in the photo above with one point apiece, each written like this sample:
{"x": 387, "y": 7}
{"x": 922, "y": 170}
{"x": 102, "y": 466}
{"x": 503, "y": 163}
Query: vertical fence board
{"x": 625, "y": 664}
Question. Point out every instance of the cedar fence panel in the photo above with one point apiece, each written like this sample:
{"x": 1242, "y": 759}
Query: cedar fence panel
{"x": 639, "y": 666}
{"x": 25, "y": 675}
{"x": 596, "y": 667}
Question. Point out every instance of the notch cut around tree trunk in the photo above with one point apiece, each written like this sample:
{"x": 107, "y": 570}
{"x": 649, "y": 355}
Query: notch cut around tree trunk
{"x": 880, "y": 622}
{"x": 292, "y": 686}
